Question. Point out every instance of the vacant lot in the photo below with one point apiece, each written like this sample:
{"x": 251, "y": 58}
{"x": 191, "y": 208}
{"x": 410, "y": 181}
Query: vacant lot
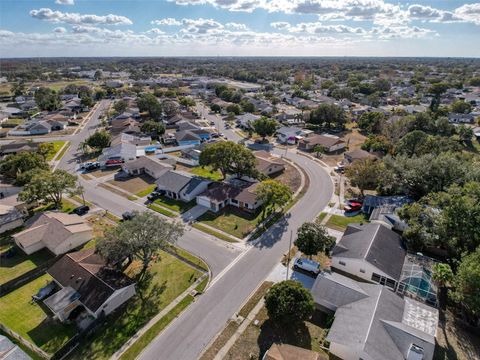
{"x": 167, "y": 279}
{"x": 291, "y": 177}
{"x": 354, "y": 139}
{"x": 135, "y": 184}
{"x": 33, "y": 320}
{"x": 233, "y": 221}
{"x": 257, "y": 339}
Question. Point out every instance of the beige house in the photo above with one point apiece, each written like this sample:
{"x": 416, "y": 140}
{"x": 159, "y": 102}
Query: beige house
{"x": 56, "y": 231}
{"x": 146, "y": 165}
{"x": 268, "y": 164}
{"x": 10, "y": 218}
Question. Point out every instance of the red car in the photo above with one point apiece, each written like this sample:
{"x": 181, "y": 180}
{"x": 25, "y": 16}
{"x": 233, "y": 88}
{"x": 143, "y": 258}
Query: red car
{"x": 353, "y": 207}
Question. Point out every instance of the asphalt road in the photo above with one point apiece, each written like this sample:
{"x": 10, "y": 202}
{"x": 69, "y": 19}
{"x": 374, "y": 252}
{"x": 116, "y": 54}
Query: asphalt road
{"x": 187, "y": 336}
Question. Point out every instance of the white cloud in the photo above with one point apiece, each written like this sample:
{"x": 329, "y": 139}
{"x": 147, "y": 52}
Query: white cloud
{"x": 167, "y": 22}
{"x": 78, "y": 19}
{"x": 318, "y": 28}
{"x": 60, "y": 30}
{"x": 280, "y": 25}
{"x": 237, "y": 26}
{"x": 155, "y": 31}
{"x": 65, "y": 2}
{"x": 469, "y": 12}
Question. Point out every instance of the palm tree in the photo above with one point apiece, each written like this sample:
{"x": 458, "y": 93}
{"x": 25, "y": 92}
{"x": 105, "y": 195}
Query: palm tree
{"x": 83, "y": 147}
{"x": 442, "y": 274}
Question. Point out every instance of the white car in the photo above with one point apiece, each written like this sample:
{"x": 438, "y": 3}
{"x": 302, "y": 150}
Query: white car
{"x": 307, "y": 265}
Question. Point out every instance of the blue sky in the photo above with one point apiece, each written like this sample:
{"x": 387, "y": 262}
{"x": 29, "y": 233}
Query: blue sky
{"x": 239, "y": 28}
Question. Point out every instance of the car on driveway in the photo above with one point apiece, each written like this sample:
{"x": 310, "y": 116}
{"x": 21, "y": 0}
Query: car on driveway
{"x": 309, "y": 266}
{"x": 91, "y": 165}
{"x": 81, "y": 210}
{"x": 154, "y": 195}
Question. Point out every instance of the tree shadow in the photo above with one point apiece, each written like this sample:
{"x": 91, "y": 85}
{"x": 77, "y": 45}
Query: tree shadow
{"x": 272, "y": 332}
{"x": 274, "y": 233}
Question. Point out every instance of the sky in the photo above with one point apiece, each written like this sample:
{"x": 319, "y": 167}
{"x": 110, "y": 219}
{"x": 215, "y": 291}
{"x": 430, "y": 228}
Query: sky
{"x": 44, "y": 28}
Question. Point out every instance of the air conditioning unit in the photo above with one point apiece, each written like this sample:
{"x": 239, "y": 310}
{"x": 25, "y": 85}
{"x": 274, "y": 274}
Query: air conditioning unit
{"x": 415, "y": 352}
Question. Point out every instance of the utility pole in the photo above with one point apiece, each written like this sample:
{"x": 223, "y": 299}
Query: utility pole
{"x": 288, "y": 253}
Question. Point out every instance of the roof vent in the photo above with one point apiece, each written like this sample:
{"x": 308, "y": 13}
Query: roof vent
{"x": 79, "y": 279}
{"x": 415, "y": 352}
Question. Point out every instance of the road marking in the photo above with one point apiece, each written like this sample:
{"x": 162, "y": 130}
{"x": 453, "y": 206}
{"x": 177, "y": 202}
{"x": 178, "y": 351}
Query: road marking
{"x": 228, "y": 267}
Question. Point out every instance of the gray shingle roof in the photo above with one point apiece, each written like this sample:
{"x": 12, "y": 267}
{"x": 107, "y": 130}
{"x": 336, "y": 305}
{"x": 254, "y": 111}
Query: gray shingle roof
{"x": 374, "y": 243}
{"x": 173, "y": 181}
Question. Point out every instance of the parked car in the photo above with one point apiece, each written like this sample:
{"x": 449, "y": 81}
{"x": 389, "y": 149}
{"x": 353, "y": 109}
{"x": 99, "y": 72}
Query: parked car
{"x": 212, "y": 122}
{"x": 340, "y": 168}
{"x": 307, "y": 265}
{"x": 349, "y": 208}
{"x": 91, "y": 165}
{"x": 128, "y": 215}
{"x": 354, "y": 201}
{"x": 214, "y": 135}
{"x": 81, "y": 210}
{"x": 154, "y": 195}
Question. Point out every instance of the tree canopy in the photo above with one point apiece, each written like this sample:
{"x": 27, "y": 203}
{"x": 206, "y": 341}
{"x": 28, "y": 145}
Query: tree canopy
{"x": 328, "y": 115}
{"x": 313, "y": 238}
{"x": 265, "y": 126}
{"x": 273, "y": 193}
{"x": 47, "y": 99}
{"x": 289, "y": 303}
{"x": 16, "y": 166}
{"x": 99, "y": 140}
{"x": 467, "y": 283}
{"x": 153, "y": 128}
{"x": 149, "y": 103}
{"x": 140, "y": 238}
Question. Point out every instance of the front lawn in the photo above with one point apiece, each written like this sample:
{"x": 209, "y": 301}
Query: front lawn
{"x": 232, "y": 221}
{"x": 207, "y": 173}
{"x": 175, "y": 205}
{"x": 135, "y": 184}
{"x": 257, "y": 339}
{"x": 33, "y": 321}
{"x": 340, "y": 223}
{"x": 67, "y": 207}
{"x": 57, "y": 145}
{"x": 166, "y": 280}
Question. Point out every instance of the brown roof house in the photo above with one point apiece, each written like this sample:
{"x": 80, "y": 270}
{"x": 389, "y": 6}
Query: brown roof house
{"x": 330, "y": 143}
{"x": 146, "y": 165}
{"x": 290, "y": 352}
{"x": 241, "y": 194}
{"x": 267, "y": 164}
{"x": 86, "y": 281}
{"x": 56, "y": 231}
{"x": 358, "y": 154}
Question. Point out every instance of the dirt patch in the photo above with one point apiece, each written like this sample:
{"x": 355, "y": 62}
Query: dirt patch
{"x": 353, "y": 138}
{"x": 133, "y": 184}
{"x": 455, "y": 340}
{"x": 291, "y": 177}
{"x": 104, "y": 172}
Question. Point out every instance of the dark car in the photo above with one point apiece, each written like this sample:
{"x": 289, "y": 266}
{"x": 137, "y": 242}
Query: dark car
{"x": 154, "y": 195}
{"x": 128, "y": 215}
{"x": 81, "y": 210}
{"x": 92, "y": 165}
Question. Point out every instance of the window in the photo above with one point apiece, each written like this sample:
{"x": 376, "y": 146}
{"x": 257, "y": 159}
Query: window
{"x": 376, "y": 277}
{"x": 391, "y": 283}
{"x": 233, "y": 201}
{"x": 342, "y": 263}
{"x": 362, "y": 271}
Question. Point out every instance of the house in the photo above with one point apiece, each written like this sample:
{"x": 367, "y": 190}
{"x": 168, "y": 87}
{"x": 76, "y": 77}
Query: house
{"x": 221, "y": 194}
{"x": 245, "y": 121}
{"x": 289, "y": 135}
{"x": 16, "y": 147}
{"x": 372, "y": 322}
{"x": 39, "y": 128}
{"x": 181, "y": 186}
{"x": 329, "y": 143}
{"x": 118, "y": 154}
{"x": 387, "y": 216}
{"x": 371, "y": 252}
{"x": 460, "y": 118}
{"x": 267, "y": 164}
{"x": 56, "y": 231}
{"x": 132, "y": 139}
{"x": 10, "y": 351}
{"x": 187, "y": 137}
{"x": 10, "y": 218}
{"x": 290, "y": 352}
{"x": 146, "y": 165}
{"x": 371, "y": 202}
{"x": 86, "y": 281}
{"x": 358, "y": 154}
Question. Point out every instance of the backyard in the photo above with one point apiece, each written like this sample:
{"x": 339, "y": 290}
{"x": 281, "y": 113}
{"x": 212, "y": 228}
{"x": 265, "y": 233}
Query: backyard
{"x": 340, "y": 223}
{"x": 139, "y": 185}
{"x": 207, "y": 172}
{"x": 32, "y": 320}
{"x": 232, "y": 221}
{"x": 257, "y": 339}
{"x": 166, "y": 280}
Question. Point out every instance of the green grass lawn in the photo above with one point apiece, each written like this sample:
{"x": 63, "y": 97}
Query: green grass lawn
{"x": 57, "y": 145}
{"x": 170, "y": 277}
{"x": 207, "y": 172}
{"x": 21, "y": 263}
{"x": 217, "y": 234}
{"x": 146, "y": 191}
{"x": 175, "y": 205}
{"x": 161, "y": 210}
{"x": 31, "y": 320}
{"x": 67, "y": 206}
{"x": 232, "y": 221}
{"x": 338, "y": 222}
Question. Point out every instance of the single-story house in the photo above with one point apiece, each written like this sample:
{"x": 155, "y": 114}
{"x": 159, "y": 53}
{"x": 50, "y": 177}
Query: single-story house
{"x": 16, "y": 147}
{"x": 132, "y": 139}
{"x": 56, "y": 231}
{"x": 329, "y": 143}
{"x": 39, "y": 128}
{"x": 245, "y": 120}
{"x": 146, "y": 165}
{"x": 187, "y": 137}
{"x": 371, "y": 252}
{"x": 372, "y": 322}
{"x": 289, "y": 135}
{"x": 221, "y": 194}
{"x": 358, "y": 154}
{"x": 10, "y": 218}
{"x": 461, "y": 118}
{"x": 267, "y": 164}
{"x": 118, "y": 154}
{"x": 86, "y": 281}
{"x": 387, "y": 216}
{"x": 290, "y": 352}
{"x": 181, "y": 186}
